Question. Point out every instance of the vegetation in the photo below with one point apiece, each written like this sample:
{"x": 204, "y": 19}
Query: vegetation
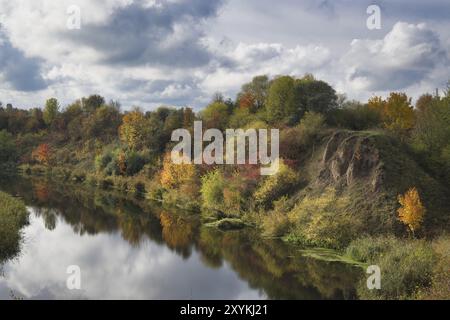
{"x": 13, "y": 216}
{"x": 412, "y": 211}
{"x": 348, "y": 170}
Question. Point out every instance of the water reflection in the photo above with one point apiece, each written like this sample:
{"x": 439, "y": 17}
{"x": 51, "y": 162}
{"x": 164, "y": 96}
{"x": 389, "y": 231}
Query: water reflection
{"x": 129, "y": 248}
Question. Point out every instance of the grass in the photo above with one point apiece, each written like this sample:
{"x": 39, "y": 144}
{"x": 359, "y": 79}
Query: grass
{"x": 13, "y": 216}
{"x": 330, "y": 255}
{"x": 407, "y": 266}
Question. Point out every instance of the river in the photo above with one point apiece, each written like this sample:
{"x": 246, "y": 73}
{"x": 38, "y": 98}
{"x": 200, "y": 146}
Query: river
{"x": 129, "y": 248}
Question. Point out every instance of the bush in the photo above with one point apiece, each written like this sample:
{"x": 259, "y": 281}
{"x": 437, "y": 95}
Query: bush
{"x": 406, "y": 266}
{"x": 8, "y": 152}
{"x": 311, "y": 124}
{"x": 276, "y": 223}
{"x": 324, "y": 221}
{"x": 354, "y": 116}
{"x": 275, "y": 186}
{"x": 102, "y": 160}
{"x": 13, "y": 216}
{"x": 134, "y": 162}
{"x": 211, "y": 190}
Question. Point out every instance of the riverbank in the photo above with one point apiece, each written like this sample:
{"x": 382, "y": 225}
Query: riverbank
{"x": 13, "y": 217}
{"x": 411, "y": 268}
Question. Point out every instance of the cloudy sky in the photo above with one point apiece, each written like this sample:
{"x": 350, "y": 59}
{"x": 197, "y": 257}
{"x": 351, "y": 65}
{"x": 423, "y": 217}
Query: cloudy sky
{"x": 179, "y": 52}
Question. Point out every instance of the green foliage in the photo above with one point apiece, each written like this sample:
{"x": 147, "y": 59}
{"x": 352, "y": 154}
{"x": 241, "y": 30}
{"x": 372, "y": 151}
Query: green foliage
{"x": 13, "y": 216}
{"x": 276, "y": 186}
{"x": 120, "y": 162}
{"x": 276, "y": 222}
{"x": 212, "y": 187}
{"x": 282, "y": 103}
{"x": 8, "y": 149}
{"x": 406, "y": 266}
{"x": 51, "y": 111}
{"x": 354, "y": 116}
{"x": 324, "y": 221}
{"x": 215, "y": 115}
{"x": 315, "y": 95}
{"x": 432, "y": 131}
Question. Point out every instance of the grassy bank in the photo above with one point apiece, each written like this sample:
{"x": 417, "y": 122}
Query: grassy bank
{"x": 13, "y": 216}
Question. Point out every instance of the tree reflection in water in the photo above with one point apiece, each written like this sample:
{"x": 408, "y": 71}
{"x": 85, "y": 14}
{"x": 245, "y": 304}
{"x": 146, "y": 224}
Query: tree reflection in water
{"x": 266, "y": 265}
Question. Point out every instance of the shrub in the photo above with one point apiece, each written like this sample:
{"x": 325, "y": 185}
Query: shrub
{"x": 275, "y": 186}
{"x": 354, "y": 116}
{"x": 406, "y": 266}
{"x": 412, "y": 210}
{"x": 211, "y": 190}
{"x": 8, "y": 152}
{"x": 13, "y": 216}
{"x": 134, "y": 163}
{"x": 102, "y": 160}
{"x": 311, "y": 124}
{"x": 175, "y": 175}
{"x": 324, "y": 221}
{"x": 276, "y": 223}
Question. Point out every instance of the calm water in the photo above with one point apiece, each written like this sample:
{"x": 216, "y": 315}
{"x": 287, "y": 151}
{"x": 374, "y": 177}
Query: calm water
{"x": 134, "y": 249}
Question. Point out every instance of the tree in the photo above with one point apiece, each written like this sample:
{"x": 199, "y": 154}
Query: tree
{"x": 42, "y": 154}
{"x": 174, "y": 175}
{"x": 8, "y": 150}
{"x": 51, "y": 111}
{"x": 412, "y": 211}
{"x": 132, "y": 131}
{"x": 399, "y": 114}
{"x": 253, "y": 95}
{"x": 216, "y": 115}
{"x": 92, "y": 103}
{"x": 396, "y": 112}
{"x": 432, "y": 129}
{"x": 315, "y": 95}
{"x": 281, "y": 100}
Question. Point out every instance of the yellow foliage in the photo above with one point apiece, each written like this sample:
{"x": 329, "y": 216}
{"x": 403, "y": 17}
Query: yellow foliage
{"x": 175, "y": 175}
{"x": 132, "y": 128}
{"x": 396, "y": 112}
{"x": 412, "y": 210}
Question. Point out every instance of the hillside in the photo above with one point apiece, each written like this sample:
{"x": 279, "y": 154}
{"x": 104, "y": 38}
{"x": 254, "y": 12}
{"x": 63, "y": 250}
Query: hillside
{"x": 354, "y": 179}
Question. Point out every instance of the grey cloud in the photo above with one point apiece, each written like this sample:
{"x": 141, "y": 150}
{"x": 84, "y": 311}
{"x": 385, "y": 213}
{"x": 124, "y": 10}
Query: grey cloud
{"x": 403, "y": 58}
{"x": 167, "y": 35}
{"x": 21, "y": 72}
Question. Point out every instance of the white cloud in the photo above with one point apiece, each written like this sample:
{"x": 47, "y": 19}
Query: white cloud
{"x": 404, "y": 57}
{"x": 153, "y": 52}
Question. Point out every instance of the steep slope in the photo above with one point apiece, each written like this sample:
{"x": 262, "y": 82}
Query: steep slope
{"x": 353, "y": 182}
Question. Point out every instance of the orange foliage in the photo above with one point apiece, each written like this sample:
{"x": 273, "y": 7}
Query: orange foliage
{"x": 42, "y": 154}
{"x": 174, "y": 175}
{"x": 247, "y": 101}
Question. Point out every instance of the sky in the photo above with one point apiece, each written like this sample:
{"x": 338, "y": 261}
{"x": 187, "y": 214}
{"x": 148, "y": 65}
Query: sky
{"x": 149, "y": 53}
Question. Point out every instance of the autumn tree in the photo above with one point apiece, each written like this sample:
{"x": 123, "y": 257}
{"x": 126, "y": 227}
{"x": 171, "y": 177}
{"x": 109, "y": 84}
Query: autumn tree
{"x": 396, "y": 112}
{"x": 253, "y": 95}
{"x": 412, "y": 211}
{"x": 133, "y": 130}
{"x": 174, "y": 175}
{"x": 51, "y": 111}
{"x": 42, "y": 154}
